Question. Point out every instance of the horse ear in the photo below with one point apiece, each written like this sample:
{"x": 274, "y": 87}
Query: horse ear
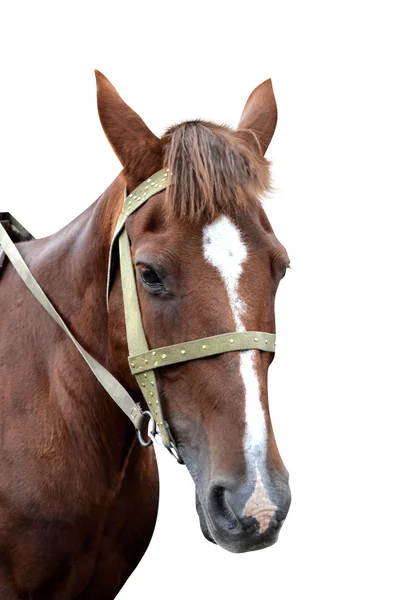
{"x": 138, "y": 149}
{"x": 259, "y": 116}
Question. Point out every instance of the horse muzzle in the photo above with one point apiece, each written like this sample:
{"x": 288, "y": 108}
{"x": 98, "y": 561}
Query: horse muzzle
{"x": 246, "y": 517}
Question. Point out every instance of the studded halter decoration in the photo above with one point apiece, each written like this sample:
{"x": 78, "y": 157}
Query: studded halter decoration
{"x": 142, "y": 361}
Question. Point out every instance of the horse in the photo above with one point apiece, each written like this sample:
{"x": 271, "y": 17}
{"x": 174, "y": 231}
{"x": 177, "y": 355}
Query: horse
{"x": 78, "y": 493}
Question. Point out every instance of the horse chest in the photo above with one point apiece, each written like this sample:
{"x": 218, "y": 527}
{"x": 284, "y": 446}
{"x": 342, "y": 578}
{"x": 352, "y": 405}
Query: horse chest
{"x": 93, "y": 550}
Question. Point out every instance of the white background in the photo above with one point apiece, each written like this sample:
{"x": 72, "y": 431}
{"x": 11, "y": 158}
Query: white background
{"x": 334, "y": 386}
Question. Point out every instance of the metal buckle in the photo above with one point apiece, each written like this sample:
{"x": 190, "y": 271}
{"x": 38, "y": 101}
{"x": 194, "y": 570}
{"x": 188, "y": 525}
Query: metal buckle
{"x": 173, "y": 450}
{"x": 150, "y": 433}
{"x": 155, "y": 438}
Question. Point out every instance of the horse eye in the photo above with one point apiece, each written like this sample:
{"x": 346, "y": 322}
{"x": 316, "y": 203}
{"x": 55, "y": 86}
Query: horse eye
{"x": 149, "y": 277}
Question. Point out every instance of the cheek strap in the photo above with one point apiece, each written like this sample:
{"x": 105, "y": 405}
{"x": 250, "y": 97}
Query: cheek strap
{"x": 136, "y": 339}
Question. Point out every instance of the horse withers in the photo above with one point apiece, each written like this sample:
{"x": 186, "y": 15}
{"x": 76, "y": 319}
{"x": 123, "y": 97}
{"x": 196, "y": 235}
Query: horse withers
{"x": 78, "y": 493}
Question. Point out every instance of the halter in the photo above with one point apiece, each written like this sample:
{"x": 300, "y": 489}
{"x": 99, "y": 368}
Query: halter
{"x": 142, "y": 361}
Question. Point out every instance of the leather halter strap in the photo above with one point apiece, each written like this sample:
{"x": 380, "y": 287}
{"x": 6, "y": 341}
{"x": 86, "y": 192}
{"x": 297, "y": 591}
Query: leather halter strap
{"x": 201, "y": 348}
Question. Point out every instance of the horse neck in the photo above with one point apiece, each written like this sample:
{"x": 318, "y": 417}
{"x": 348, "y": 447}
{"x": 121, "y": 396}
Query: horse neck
{"x": 72, "y": 264}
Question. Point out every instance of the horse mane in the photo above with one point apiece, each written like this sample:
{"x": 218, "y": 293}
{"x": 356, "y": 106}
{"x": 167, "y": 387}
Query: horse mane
{"x": 215, "y": 170}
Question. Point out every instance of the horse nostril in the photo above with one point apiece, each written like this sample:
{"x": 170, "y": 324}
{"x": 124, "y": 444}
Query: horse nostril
{"x": 218, "y": 496}
{"x": 220, "y": 508}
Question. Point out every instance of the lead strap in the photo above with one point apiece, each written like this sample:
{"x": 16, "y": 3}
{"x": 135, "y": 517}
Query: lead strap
{"x": 108, "y": 381}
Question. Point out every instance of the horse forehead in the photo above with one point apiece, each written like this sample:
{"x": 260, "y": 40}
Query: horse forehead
{"x": 224, "y": 248}
{"x": 226, "y": 243}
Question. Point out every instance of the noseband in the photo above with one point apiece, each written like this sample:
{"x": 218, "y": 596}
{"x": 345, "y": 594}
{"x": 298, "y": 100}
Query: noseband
{"x": 142, "y": 361}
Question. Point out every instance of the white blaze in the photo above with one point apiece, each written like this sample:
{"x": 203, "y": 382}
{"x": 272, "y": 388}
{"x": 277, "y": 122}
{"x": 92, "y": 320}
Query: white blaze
{"x": 225, "y": 250}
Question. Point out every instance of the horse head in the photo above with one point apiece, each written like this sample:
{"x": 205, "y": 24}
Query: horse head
{"x": 207, "y": 262}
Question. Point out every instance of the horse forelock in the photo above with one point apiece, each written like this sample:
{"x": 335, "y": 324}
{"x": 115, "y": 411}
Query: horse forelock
{"x": 215, "y": 170}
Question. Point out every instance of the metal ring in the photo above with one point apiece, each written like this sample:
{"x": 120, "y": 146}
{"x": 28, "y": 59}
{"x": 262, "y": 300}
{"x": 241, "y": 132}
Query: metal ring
{"x": 157, "y": 439}
{"x": 151, "y": 433}
{"x": 173, "y": 450}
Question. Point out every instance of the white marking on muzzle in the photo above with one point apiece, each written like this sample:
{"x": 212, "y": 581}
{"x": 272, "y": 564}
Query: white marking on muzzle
{"x": 225, "y": 250}
{"x": 259, "y": 505}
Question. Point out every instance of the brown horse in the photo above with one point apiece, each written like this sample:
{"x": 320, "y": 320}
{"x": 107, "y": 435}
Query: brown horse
{"x": 78, "y": 493}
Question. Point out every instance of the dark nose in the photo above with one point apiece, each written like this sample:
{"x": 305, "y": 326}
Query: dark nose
{"x": 243, "y": 512}
{"x": 223, "y": 512}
